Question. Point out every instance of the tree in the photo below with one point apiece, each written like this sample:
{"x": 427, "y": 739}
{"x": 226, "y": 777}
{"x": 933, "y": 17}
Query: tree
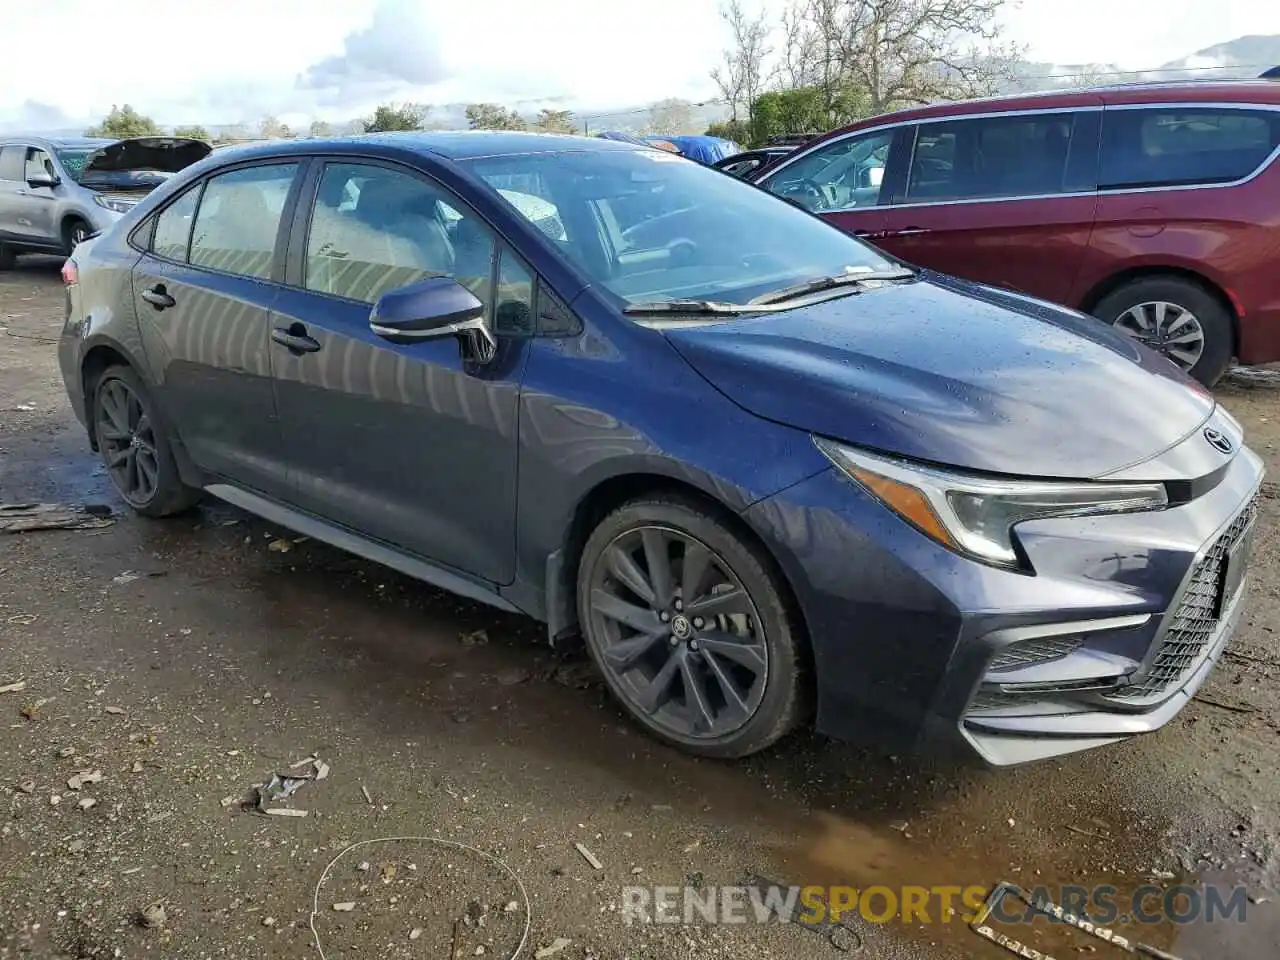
{"x": 234, "y": 133}
{"x": 896, "y": 53}
{"x": 741, "y": 76}
{"x": 270, "y": 128}
{"x": 671, "y": 116}
{"x": 735, "y": 130}
{"x": 124, "y": 122}
{"x": 802, "y": 110}
{"x": 389, "y": 117}
{"x": 555, "y": 121}
{"x": 490, "y": 116}
{"x": 319, "y": 128}
{"x": 193, "y": 133}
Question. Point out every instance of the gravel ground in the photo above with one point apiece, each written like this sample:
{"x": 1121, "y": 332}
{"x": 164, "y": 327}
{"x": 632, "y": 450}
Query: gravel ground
{"x": 170, "y": 667}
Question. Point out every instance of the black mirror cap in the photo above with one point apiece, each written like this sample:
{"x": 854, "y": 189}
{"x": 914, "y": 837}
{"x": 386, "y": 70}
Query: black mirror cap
{"x": 431, "y": 304}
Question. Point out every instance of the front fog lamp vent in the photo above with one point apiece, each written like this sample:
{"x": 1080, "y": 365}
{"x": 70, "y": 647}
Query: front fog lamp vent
{"x": 1025, "y": 653}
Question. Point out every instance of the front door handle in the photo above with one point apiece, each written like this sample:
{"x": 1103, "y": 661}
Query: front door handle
{"x": 158, "y": 297}
{"x": 295, "y": 338}
{"x": 870, "y": 234}
{"x": 907, "y": 232}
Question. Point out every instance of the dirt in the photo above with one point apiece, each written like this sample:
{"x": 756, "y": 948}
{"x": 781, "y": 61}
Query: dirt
{"x": 187, "y": 661}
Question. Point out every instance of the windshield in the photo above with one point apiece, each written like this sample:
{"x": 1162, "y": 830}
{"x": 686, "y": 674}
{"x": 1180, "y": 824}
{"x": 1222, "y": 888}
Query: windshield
{"x": 652, "y": 227}
{"x": 73, "y": 161}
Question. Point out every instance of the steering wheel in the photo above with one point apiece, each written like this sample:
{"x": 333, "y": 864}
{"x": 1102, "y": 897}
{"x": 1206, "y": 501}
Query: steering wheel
{"x": 807, "y": 192}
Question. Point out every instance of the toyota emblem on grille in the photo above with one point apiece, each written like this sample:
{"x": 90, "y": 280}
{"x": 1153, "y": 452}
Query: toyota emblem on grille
{"x": 1218, "y": 440}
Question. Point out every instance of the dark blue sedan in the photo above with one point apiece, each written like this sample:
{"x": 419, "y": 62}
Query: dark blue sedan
{"x": 771, "y": 475}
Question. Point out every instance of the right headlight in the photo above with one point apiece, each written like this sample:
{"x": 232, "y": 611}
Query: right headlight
{"x": 974, "y": 515}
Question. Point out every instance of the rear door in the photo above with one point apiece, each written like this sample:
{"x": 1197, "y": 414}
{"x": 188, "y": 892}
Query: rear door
{"x": 203, "y": 297}
{"x": 13, "y": 165}
{"x": 1007, "y": 199}
{"x": 842, "y": 180}
{"x": 412, "y": 444}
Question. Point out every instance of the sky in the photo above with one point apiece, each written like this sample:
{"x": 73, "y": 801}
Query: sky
{"x": 237, "y": 60}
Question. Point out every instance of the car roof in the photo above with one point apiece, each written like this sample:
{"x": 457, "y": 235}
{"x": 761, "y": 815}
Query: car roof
{"x": 450, "y": 144}
{"x": 87, "y": 143}
{"x": 1263, "y": 92}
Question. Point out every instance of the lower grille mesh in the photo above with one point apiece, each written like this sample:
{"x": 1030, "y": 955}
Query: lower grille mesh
{"x": 1187, "y": 638}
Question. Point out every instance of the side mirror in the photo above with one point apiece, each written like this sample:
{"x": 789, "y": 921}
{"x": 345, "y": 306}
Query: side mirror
{"x": 432, "y": 308}
{"x": 42, "y": 180}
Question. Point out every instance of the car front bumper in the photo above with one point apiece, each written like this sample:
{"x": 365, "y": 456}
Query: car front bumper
{"x": 916, "y": 647}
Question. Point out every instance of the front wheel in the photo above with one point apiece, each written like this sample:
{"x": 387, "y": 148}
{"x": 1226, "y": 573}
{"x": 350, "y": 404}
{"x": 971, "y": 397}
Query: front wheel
{"x": 135, "y": 448}
{"x": 690, "y": 628}
{"x": 74, "y": 234}
{"x": 1177, "y": 318}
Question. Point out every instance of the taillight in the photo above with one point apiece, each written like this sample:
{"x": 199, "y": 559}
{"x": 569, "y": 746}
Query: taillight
{"x": 70, "y": 273}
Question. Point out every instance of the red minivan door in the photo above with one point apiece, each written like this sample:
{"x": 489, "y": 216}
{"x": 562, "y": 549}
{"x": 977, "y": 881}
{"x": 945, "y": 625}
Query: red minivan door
{"x": 842, "y": 179}
{"x": 1003, "y": 199}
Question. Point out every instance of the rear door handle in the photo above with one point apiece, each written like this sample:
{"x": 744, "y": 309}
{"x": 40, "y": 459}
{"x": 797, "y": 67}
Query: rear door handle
{"x": 158, "y": 297}
{"x": 295, "y": 338}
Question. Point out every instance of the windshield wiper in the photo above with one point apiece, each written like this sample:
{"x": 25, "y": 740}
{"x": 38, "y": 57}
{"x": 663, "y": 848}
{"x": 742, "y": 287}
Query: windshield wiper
{"x": 830, "y": 283}
{"x": 697, "y": 307}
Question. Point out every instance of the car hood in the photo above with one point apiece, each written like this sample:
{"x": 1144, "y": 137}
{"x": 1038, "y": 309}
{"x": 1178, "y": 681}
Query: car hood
{"x": 954, "y": 373}
{"x": 161, "y": 154}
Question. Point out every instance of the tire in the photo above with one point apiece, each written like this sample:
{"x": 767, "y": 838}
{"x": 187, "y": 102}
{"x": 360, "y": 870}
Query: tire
{"x": 748, "y": 639}
{"x": 70, "y": 233}
{"x": 8, "y": 259}
{"x": 1124, "y": 308}
{"x": 118, "y": 394}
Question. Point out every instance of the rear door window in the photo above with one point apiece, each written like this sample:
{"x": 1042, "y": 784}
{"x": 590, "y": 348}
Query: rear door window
{"x": 13, "y": 161}
{"x": 989, "y": 157}
{"x": 1184, "y": 146}
{"x": 239, "y": 219}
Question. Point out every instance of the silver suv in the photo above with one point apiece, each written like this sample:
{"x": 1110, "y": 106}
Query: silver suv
{"x": 54, "y": 193}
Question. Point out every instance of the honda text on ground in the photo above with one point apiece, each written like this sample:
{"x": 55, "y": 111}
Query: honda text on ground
{"x": 772, "y": 475}
{"x": 1155, "y": 207}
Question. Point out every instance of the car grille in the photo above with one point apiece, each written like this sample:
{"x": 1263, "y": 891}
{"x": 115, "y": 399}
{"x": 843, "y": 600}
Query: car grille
{"x": 1190, "y": 631}
{"x": 1039, "y": 650}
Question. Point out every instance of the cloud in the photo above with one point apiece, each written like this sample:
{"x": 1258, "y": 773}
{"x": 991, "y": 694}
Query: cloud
{"x": 397, "y": 49}
{"x": 31, "y": 115}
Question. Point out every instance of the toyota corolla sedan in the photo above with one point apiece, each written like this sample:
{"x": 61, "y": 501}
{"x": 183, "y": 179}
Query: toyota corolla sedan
{"x": 771, "y": 475}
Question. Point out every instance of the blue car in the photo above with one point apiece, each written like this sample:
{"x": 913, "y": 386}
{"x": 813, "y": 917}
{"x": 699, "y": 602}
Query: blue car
{"x": 772, "y": 476}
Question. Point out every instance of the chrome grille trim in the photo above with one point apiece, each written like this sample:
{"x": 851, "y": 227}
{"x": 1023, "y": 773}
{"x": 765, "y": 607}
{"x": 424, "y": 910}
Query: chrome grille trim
{"x": 1187, "y": 635}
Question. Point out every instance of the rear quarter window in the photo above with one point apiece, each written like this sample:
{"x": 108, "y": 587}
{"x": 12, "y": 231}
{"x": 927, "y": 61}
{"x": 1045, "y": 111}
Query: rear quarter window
{"x": 1164, "y": 146}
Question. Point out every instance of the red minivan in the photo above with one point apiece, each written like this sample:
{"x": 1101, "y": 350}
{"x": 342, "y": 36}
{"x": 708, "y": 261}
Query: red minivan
{"x": 1155, "y": 207}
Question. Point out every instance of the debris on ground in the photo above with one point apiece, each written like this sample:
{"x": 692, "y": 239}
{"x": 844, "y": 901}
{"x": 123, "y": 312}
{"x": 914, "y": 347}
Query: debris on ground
{"x": 153, "y": 915}
{"x": 476, "y": 638}
{"x": 31, "y": 711}
{"x": 87, "y": 803}
{"x": 513, "y": 676}
{"x": 551, "y": 949}
{"x": 27, "y": 786}
{"x": 368, "y": 797}
{"x": 279, "y": 546}
{"x": 114, "y": 711}
{"x": 345, "y": 907}
{"x": 588, "y": 856}
{"x": 84, "y": 776}
{"x": 415, "y": 933}
{"x": 282, "y": 786}
{"x": 29, "y": 517}
{"x": 16, "y": 687}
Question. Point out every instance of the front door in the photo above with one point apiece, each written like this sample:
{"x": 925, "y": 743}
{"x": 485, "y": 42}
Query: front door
{"x": 14, "y": 220}
{"x": 203, "y": 295}
{"x": 1006, "y": 200}
{"x": 412, "y": 444}
{"x": 842, "y": 181}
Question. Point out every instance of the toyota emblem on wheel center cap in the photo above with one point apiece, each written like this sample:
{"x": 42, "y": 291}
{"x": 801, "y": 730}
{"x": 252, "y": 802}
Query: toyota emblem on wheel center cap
{"x": 1218, "y": 440}
{"x": 681, "y": 627}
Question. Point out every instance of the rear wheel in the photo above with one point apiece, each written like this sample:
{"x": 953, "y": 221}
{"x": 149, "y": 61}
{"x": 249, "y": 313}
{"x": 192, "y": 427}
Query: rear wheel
{"x": 135, "y": 447}
{"x": 690, "y": 628}
{"x": 1177, "y": 318}
{"x": 74, "y": 233}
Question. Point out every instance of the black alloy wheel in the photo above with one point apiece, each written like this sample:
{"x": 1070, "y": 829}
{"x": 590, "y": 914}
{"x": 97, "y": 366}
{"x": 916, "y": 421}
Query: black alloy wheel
{"x": 690, "y": 631}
